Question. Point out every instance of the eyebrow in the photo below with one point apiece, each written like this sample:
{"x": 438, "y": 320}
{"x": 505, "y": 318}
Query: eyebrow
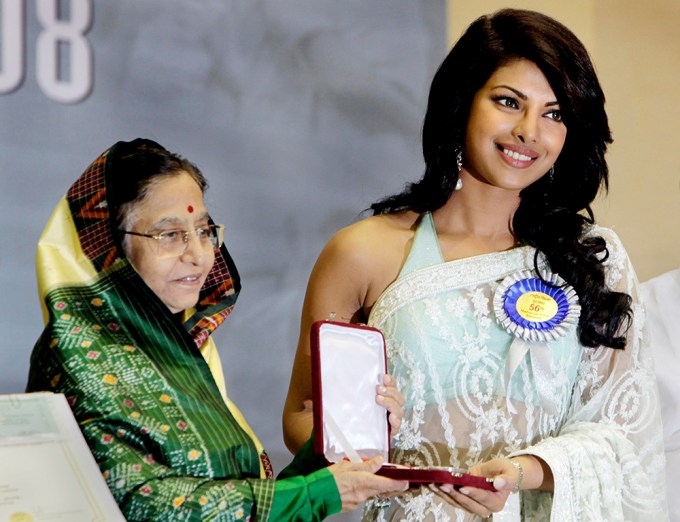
{"x": 521, "y": 95}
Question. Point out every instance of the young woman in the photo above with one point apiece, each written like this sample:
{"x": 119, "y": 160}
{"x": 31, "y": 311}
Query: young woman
{"x": 512, "y": 321}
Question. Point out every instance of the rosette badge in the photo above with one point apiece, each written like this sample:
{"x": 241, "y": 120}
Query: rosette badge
{"x": 536, "y": 309}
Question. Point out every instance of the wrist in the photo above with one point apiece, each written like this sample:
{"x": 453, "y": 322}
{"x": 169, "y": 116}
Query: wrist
{"x": 537, "y": 473}
{"x": 520, "y": 471}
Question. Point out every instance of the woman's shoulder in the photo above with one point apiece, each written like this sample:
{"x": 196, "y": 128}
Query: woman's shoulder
{"x": 606, "y": 233}
{"x": 370, "y": 251}
{"x": 616, "y": 262}
{"x": 376, "y": 232}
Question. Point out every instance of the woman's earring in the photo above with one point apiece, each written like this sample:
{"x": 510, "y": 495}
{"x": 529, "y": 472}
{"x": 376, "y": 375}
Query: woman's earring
{"x": 551, "y": 174}
{"x": 459, "y": 165}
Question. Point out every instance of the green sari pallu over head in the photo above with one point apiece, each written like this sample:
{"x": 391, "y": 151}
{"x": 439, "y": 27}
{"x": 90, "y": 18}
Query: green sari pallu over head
{"x": 145, "y": 387}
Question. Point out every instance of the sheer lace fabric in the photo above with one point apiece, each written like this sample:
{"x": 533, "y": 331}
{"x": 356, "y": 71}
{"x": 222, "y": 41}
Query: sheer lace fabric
{"x": 603, "y": 442}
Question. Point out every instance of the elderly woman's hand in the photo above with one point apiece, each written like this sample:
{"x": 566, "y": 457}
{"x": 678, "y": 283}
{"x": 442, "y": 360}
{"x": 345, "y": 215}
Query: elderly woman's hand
{"x": 357, "y": 482}
{"x": 392, "y": 400}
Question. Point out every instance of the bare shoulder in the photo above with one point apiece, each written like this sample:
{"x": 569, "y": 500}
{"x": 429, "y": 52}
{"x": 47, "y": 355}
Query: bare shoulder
{"x": 370, "y": 253}
{"x": 374, "y": 237}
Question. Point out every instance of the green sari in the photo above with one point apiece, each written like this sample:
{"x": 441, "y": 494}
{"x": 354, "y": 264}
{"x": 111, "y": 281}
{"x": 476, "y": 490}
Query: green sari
{"x": 146, "y": 388}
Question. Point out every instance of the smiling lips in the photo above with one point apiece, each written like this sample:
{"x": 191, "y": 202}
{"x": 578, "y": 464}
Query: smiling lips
{"x": 517, "y": 156}
{"x": 189, "y": 279}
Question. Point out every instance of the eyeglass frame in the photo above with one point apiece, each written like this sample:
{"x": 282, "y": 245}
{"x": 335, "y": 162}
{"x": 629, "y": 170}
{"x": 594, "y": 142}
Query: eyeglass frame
{"x": 185, "y": 236}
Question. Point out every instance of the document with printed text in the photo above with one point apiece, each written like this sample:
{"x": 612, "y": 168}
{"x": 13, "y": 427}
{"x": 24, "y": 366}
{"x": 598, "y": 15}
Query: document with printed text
{"x": 47, "y": 472}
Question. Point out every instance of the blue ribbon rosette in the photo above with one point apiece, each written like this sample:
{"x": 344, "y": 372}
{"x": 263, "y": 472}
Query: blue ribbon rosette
{"x": 535, "y": 310}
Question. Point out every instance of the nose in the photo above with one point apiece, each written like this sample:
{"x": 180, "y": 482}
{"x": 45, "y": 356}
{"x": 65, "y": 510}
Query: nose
{"x": 526, "y": 129}
{"x": 194, "y": 249}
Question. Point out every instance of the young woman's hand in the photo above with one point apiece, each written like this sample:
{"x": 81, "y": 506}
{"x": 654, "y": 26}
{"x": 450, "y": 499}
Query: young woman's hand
{"x": 525, "y": 472}
{"x": 392, "y": 400}
{"x": 473, "y": 500}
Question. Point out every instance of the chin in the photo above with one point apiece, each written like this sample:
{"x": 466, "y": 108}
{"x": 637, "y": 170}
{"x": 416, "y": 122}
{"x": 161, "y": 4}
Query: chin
{"x": 179, "y": 305}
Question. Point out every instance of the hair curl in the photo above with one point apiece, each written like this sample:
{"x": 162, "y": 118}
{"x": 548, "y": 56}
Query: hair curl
{"x": 554, "y": 212}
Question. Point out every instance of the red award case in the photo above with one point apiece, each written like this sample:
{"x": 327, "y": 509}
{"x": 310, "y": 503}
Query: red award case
{"x": 348, "y": 362}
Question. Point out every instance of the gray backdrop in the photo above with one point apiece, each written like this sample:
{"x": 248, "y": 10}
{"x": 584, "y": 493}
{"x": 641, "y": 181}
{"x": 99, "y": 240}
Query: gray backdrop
{"x": 300, "y": 113}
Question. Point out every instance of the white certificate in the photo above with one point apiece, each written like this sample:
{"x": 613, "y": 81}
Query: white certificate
{"x": 47, "y": 472}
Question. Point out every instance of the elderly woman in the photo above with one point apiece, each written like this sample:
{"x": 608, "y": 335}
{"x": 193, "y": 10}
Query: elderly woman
{"x": 134, "y": 280}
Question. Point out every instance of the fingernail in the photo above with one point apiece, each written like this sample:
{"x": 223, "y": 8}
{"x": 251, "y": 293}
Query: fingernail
{"x": 464, "y": 491}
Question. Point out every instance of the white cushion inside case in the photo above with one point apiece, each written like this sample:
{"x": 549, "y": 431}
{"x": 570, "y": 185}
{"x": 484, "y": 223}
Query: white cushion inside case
{"x": 352, "y": 363}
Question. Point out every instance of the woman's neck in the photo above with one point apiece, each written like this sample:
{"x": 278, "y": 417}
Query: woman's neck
{"x": 476, "y": 220}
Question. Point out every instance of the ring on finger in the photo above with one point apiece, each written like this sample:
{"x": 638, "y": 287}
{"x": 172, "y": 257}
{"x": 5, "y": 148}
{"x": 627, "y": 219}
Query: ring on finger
{"x": 381, "y": 502}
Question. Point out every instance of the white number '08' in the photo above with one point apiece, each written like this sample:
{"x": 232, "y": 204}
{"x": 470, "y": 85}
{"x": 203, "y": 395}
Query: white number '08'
{"x": 70, "y": 33}
{"x": 12, "y": 44}
{"x": 63, "y": 54}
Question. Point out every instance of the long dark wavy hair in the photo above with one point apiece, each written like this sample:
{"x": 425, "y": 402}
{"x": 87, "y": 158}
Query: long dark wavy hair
{"x": 554, "y": 211}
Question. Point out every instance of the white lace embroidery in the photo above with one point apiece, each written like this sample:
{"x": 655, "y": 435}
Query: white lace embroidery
{"x": 448, "y": 353}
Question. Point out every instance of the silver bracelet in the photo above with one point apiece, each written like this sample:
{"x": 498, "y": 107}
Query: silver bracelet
{"x": 520, "y": 470}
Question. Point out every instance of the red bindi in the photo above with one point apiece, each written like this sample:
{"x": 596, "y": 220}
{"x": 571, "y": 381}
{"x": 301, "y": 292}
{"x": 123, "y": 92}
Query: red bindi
{"x": 190, "y": 209}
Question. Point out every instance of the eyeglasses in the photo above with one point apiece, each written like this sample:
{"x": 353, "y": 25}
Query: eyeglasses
{"x": 174, "y": 242}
